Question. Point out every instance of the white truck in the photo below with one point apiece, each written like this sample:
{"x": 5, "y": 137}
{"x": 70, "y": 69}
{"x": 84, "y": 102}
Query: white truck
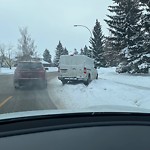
{"x": 76, "y": 68}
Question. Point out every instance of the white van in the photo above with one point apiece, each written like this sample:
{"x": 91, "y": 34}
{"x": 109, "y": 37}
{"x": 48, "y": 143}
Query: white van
{"x": 76, "y": 68}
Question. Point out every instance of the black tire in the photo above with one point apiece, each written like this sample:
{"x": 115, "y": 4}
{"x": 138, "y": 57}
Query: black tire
{"x": 97, "y": 77}
{"x": 64, "y": 82}
{"x": 16, "y": 85}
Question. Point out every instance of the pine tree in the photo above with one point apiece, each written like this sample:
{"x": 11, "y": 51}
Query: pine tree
{"x": 59, "y": 52}
{"x": 86, "y": 51}
{"x": 75, "y": 52}
{"x": 116, "y": 23}
{"x": 146, "y": 30}
{"x": 111, "y": 56}
{"x": 65, "y": 51}
{"x": 127, "y": 33}
{"x": 97, "y": 45}
{"x": 146, "y": 16}
{"x": 47, "y": 56}
{"x": 81, "y": 51}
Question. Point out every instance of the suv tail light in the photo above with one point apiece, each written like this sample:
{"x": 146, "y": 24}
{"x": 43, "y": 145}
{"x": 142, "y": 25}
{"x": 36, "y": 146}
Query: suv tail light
{"x": 85, "y": 70}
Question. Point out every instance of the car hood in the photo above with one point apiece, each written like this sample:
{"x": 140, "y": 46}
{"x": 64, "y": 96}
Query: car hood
{"x": 94, "y": 109}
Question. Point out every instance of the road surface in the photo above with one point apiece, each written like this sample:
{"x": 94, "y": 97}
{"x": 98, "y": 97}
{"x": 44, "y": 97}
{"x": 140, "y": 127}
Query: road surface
{"x": 26, "y": 99}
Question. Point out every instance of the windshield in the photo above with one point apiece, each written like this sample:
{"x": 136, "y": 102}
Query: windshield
{"x": 74, "y": 56}
{"x": 29, "y": 65}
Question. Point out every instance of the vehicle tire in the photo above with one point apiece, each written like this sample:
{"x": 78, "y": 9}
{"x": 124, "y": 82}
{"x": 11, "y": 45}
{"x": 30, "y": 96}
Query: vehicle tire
{"x": 97, "y": 77}
{"x": 64, "y": 82}
{"x": 88, "y": 80}
{"x": 16, "y": 86}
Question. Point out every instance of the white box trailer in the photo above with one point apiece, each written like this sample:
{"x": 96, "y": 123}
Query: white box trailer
{"x": 76, "y": 68}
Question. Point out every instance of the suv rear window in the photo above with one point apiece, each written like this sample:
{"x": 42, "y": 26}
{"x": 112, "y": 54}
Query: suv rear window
{"x": 29, "y": 65}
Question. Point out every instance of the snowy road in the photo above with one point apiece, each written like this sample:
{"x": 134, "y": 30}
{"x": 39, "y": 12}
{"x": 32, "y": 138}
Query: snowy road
{"x": 111, "y": 89}
{"x": 12, "y": 100}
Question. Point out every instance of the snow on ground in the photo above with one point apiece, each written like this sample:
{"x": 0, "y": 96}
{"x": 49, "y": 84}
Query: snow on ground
{"x": 109, "y": 89}
{"x": 52, "y": 69}
{"x": 6, "y": 71}
{"x": 137, "y": 80}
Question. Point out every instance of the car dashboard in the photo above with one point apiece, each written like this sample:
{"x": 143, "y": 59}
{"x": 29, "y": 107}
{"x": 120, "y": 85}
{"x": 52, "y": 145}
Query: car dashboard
{"x": 87, "y": 131}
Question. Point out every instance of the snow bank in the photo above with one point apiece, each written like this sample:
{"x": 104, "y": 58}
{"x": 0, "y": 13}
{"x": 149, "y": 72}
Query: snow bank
{"x": 51, "y": 69}
{"x": 136, "y": 80}
{"x": 104, "y": 91}
{"x": 7, "y": 70}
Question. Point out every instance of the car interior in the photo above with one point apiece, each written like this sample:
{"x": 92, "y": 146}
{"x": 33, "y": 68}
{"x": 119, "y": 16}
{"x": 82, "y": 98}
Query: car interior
{"x": 86, "y": 131}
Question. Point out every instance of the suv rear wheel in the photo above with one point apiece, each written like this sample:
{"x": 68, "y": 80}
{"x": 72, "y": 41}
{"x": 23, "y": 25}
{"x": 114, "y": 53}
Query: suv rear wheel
{"x": 64, "y": 82}
{"x": 16, "y": 85}
{"x": 96, "y": 76}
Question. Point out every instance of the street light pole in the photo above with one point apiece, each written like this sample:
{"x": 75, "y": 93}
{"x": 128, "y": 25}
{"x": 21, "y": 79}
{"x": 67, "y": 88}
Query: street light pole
{"x": 88, "y": 30}
{"x": 84, "y": 27}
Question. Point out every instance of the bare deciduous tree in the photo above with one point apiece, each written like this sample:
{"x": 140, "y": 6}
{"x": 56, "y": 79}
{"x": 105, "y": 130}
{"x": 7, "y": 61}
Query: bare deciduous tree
{"x": 6, "y": 53}
{"x": 26, "y": 45}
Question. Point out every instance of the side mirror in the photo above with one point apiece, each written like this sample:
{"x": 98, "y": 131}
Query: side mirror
{"x": 46, "y": 68}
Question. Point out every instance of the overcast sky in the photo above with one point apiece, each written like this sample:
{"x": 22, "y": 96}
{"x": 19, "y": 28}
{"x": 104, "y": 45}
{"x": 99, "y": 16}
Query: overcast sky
{"x": 49, "y": 21}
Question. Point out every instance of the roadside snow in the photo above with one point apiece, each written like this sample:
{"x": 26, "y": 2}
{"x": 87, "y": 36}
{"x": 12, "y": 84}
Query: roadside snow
{"x": 8, "y": 71}
{"x": 104, "y": 91}
{"x": 110, "y": 89}
{"x": 52, "y": 69}
{"x": 136, "y": 80}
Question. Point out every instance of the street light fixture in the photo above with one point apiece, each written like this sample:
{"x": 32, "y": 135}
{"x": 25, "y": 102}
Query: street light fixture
{"x": 76, "y": 25}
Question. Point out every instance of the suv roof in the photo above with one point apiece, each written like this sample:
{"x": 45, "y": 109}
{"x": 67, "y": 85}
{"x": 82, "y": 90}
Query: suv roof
{"x": 29, "y": 62}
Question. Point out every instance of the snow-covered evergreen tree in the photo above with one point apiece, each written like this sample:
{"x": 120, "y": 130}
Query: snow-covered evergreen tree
{"x": 97, "y": 45}
{"x": 81, "y": 51}
{"x": 59, "y": 52}
{"x": 146, "y": 16}
{"x": 125, "y": 25}
{"x": 65, "y": 51}
{"x": 135, "y": 51}
{"x": 47, "y": 56}
{"x": 75, "y": 52}
{"x": 110, "y": 55}
{"x": 116, "y": 23}
{"x": 86, "y": 51}
{"x": 146, "y": 30}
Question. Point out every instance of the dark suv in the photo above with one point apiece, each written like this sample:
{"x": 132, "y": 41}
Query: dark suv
{"x": 29, "y": 73}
